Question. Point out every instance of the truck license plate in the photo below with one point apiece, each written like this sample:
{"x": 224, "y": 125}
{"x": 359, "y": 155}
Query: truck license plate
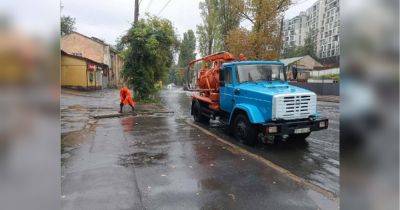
{"x": 302, "y": 130}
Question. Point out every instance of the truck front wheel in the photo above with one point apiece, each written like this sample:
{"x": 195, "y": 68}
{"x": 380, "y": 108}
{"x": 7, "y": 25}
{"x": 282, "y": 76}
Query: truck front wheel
{"x": 243, "y": 130}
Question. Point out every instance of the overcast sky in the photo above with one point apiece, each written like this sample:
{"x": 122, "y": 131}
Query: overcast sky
{"x": 108, "y": 19}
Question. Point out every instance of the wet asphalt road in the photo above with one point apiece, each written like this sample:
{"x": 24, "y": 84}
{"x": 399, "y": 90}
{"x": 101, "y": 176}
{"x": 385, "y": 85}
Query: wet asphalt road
{"x": 161, "y": 162}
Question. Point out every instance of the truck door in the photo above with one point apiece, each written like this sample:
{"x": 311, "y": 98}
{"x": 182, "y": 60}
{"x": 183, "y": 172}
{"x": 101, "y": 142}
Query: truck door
{"x": 226, "y": 90}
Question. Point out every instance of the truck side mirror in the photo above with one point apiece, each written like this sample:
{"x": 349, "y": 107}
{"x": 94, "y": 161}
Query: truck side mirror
{"x": 222, "y": 83}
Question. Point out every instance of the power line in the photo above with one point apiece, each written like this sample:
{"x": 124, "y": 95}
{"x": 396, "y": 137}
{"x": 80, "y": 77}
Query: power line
{"x": 164, "y": 7}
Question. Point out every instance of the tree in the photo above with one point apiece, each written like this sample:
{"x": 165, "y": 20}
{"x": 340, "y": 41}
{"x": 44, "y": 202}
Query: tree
{"x": 263, "y": 40}
{"x": 187, "y": 48}
{"x": 210, "y": 40}
{"x": 120, "y": 44}
{"x": 67, "y": 25}
{"x": 186, "y": 54}
{"x": 228, "y": 18}
{"x": 238, "y": 42}
{"x": 290, "y": 51}
{"x": 219, "y": 18}
{"x": 307, "y": 49}
{"x": 149, "y": 55}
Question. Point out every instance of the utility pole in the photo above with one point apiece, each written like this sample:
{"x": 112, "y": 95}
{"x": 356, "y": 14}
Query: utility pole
{"x": 136, "y": 12}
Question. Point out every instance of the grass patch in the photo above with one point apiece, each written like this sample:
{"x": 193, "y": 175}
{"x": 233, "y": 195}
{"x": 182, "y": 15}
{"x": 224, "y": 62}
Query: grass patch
{"x": 155, "y": 100}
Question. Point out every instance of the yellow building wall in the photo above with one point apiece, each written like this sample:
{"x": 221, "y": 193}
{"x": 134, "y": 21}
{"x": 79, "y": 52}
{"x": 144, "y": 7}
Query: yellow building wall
{"x": 73, "y": 72}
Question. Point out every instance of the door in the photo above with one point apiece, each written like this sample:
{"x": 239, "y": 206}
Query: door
{"x": 99, "y": 78}
{"x": 105, "y": 78}
{"x": 226, "y": 91}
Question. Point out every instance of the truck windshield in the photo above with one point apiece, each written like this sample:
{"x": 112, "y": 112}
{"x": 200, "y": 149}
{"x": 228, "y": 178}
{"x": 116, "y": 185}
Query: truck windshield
{"x": 260, "y": 72}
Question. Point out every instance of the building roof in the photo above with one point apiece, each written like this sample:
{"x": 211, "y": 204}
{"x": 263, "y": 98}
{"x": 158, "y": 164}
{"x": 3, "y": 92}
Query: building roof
{"x": 97, "y": 40}
{"x": 82, "y": 58}
{"x": 288, "y": 61}
{"x": 305, "y": 61}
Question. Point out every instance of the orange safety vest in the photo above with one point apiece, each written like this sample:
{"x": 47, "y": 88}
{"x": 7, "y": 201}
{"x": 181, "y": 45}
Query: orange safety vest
{"x": 126, "y": 97}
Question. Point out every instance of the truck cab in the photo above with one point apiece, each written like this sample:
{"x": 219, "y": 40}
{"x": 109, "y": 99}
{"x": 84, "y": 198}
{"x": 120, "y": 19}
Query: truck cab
{"x": 256, "y": 101}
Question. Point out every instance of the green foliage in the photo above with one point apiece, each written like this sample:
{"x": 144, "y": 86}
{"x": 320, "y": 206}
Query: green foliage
{"x": 219, "y": 18}
{"x": 186, "y": 54}
{"x": 209, "y": 36}
{"x": 176, "y": 75}
{"x": 220, "y": 28}
{"x": 120, "y": 45}
{"x": 292, "y": 51}
{"x": 149, "y": 54}
{"x": 186, "y": 49}
{"x": 228, "y": 18}
{"x": 335, "y": 77}
{"x": 67, "y": 25}
{"x": 309, "y": 44}
{"x": 173, "y": 75}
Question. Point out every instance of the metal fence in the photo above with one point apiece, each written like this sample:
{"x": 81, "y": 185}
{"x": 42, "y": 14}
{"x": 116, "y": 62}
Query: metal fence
{"x": 320, "y": 88}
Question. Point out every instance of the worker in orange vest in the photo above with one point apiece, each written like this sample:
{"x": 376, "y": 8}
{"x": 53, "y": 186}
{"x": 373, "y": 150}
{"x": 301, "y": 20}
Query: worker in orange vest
{"x": 126, "y": 98}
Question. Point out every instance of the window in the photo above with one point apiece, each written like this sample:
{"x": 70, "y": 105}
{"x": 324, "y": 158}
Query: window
{"x": 227, "y": 75}
{"x": 259, "y": 72}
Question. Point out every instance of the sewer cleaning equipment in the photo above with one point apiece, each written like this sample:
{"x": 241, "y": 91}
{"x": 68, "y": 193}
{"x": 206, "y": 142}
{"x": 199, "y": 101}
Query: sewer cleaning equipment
{"x": 253, "y": 99}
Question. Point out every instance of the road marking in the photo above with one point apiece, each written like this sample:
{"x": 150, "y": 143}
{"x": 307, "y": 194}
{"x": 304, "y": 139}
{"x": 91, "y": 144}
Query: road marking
{"x": 328, "y": 194}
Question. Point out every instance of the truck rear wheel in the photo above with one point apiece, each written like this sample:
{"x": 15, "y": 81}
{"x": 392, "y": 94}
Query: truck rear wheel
{"x": 243, "y": 130}
{"x": 197, "y": 116}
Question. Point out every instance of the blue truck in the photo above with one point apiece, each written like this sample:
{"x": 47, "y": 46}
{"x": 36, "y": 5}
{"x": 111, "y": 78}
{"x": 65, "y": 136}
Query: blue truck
{"x": 257, "y": 103}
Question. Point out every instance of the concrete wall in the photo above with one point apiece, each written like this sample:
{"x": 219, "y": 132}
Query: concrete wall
{"x": 106, "y": 55}
{"x": 119, "y": 66}
{"x": 324, "y": 72}
{"x": 320, "y": 88}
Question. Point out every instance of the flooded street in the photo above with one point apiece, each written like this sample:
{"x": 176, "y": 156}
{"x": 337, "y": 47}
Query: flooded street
{"x": 162, "y": 161}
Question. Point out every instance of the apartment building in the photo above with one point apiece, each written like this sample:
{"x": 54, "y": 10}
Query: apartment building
{"x": 322, "y": 20}
{"x": 329, "y": 31}
{"x": 295, "y": 30}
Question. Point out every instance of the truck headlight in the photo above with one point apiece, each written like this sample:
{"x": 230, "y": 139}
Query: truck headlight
{"x": 322, "y": 124}
{"x": 272, "y": 129}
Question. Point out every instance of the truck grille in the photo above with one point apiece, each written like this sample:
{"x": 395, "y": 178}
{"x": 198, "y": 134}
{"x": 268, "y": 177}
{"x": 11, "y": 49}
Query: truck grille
{"x": 294, "y": 106}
